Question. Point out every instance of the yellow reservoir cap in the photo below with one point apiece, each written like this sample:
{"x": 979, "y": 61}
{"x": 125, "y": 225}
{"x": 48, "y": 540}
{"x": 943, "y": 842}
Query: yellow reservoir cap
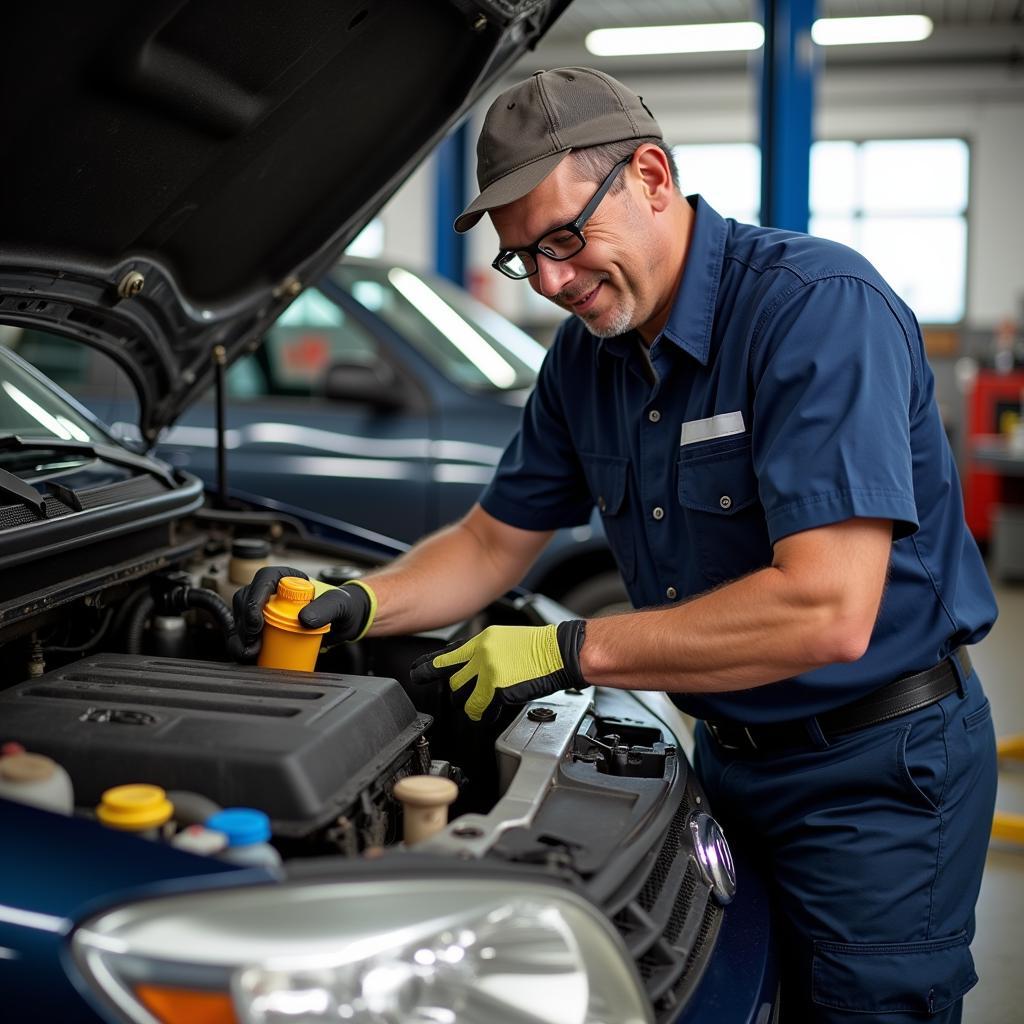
{"x": 282, "y": 610}
{"x": 134, "y": 807}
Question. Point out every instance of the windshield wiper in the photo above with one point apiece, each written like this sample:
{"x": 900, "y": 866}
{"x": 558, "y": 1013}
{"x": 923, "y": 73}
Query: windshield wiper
{"x": 12, "y": 486}
{"x": 106, "y": 452}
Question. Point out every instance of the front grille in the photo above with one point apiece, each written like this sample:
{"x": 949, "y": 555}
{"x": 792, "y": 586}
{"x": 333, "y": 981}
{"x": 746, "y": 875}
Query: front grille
{"x": 670, "y": 925}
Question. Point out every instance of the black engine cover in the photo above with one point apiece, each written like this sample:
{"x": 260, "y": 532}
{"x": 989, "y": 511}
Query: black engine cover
{"x": 300, "y": 747}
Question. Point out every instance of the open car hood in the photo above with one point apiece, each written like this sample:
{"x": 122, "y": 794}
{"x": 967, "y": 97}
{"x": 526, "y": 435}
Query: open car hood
{"x": 178, "y": 171}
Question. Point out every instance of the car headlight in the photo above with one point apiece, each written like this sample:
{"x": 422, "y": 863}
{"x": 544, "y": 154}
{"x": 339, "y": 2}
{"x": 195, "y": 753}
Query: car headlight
{"x": 467, "y": 951}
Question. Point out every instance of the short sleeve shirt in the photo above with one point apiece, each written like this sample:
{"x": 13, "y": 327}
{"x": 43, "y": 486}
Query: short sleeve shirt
{"x": 789, "y": 390}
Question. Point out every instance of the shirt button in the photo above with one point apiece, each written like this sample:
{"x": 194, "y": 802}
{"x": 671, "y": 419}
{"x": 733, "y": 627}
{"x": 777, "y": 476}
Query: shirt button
{"x": 654, "y": 415}
{"x": 671, "y": 593}
{"x": 658, "y": 513}
{"x": 725, "y": 501}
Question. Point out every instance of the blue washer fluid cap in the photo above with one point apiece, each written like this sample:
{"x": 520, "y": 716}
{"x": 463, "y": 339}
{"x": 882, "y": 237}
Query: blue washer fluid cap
{"x": 242, "y": 825}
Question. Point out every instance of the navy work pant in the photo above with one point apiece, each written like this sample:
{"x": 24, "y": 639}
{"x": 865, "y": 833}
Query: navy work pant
{"x": 875, "y": 846}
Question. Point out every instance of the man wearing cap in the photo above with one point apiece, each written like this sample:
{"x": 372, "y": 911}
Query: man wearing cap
{"x": 752, "y": 414}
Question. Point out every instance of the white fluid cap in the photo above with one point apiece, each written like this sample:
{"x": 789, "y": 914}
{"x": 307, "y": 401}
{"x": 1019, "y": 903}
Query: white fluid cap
{"x": 201, "y": 840}
{"x": 425, "y": 800}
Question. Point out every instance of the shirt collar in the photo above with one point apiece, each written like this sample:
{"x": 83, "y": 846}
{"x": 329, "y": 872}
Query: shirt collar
{"x": 693, "y": 312}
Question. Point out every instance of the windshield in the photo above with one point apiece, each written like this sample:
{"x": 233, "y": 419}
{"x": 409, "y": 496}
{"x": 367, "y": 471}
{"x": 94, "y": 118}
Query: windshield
{"x": 466, "y": 340}
{"x": 31, "y": 408}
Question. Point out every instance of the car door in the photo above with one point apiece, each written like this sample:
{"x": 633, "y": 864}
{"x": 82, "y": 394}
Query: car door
{"x": 320, "y": 417}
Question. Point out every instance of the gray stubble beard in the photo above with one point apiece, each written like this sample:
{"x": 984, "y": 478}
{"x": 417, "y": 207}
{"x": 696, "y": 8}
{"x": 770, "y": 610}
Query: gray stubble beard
{"x": 621, "y": 322}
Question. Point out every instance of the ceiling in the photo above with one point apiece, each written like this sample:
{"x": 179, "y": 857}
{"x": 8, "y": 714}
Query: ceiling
{"x": 966, "y": 31}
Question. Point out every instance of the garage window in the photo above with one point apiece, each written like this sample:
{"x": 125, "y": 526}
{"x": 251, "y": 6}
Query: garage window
{"x": 902, "y": 203}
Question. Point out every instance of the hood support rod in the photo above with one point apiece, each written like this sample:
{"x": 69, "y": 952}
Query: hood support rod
{"x": 219, "y": 369}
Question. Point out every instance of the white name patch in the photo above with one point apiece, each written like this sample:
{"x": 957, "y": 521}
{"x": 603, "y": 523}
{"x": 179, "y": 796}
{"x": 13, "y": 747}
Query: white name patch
{"x": 723, "y": 425}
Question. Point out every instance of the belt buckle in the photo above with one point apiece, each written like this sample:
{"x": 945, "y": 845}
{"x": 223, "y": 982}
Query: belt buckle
{"x": 713, "y": 728}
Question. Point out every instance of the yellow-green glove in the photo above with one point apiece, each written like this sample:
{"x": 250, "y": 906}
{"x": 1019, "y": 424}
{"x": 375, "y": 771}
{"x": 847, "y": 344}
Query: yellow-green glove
{"x": 507, "y": 665}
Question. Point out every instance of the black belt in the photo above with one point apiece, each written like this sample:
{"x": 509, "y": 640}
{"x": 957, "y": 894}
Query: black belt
{"x": 899, "y": 697}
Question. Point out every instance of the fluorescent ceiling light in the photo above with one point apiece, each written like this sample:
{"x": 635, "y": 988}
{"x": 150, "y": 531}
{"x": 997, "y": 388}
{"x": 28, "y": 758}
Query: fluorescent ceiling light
{"x": 749, "y": 35}
{"x": 897, "y": 28}
{"x": 733, "y": 35}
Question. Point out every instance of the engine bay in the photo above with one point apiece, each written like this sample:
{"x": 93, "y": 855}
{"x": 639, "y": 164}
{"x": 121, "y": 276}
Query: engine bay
{"x": 133, "y": 683}
{"x": 118, "y": 668}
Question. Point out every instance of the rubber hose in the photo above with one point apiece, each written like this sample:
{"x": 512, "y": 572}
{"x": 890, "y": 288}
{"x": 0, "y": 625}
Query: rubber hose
{"x": 208, "y": 601}
{"x": 137, "y": 624}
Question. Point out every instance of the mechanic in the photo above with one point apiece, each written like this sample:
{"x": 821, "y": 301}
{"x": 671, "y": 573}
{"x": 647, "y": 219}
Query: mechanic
{"x": 752, "y": 413}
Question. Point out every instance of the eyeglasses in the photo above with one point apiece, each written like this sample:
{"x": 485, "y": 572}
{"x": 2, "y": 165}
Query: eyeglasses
{"x": 562, "y": 243}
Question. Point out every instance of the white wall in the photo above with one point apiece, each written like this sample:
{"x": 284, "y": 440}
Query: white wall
{"x": 408, "y": 220}
{"x": 983, "y": 105}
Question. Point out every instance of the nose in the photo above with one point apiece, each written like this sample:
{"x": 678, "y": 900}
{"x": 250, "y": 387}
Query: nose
{"x": 552, "y": 276}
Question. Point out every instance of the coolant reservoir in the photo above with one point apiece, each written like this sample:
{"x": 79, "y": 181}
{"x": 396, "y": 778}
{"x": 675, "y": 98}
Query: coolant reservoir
{"x": 248, "y": 554}
{"x": 34, "y": 779}
{"x": 287, "y": 643}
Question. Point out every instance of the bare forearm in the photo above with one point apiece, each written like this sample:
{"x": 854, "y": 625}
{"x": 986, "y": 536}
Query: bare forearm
{"x": 437, "y": 582}
{"x": 452, "y": 574}
{"x": 743, "y": 635}
{"x": 812, "y": 609}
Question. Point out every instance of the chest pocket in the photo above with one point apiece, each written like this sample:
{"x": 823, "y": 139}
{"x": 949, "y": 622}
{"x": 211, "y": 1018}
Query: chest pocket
{"x": 608, "y": 479}
{"x": 724, "y": 520}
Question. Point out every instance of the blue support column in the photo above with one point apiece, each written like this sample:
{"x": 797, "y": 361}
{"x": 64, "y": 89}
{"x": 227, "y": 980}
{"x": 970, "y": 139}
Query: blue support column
{"x": 450, "y": 198}
{"x": 787, "y": 108}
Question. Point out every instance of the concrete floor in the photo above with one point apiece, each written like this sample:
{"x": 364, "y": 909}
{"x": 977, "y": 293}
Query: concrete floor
{"x": 999, "y": 996}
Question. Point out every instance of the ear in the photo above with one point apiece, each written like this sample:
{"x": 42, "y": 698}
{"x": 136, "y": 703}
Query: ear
{"x": 652, "y": 167}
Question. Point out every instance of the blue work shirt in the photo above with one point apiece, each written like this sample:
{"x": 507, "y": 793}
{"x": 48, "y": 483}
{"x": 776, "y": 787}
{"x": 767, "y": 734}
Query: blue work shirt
{"x": 789, "y": 390}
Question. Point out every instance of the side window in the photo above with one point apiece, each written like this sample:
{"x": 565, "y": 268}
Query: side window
{"x": 246, "y": 379}
{"x": 311, "y": 334}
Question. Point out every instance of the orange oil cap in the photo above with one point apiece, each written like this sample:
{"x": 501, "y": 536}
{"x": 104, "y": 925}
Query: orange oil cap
{"x": 295, "y": 588}
{"x": 282, "y": 610}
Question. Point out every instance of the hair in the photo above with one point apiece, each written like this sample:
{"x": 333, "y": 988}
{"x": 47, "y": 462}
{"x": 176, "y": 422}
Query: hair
{"x": 594, "y": 162}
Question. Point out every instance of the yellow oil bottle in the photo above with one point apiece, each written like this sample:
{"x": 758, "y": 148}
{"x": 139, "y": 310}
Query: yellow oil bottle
{"x": 287, "y": 643}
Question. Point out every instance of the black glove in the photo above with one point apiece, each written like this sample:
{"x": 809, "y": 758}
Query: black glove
{"x": 350, "y": 609}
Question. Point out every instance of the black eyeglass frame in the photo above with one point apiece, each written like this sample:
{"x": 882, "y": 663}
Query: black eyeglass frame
{"x": 574, "y": 226}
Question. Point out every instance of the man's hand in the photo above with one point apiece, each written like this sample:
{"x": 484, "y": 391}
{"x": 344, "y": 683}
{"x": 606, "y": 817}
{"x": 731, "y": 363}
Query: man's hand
{"x": 349, "y": 609}
{"x": 508, "y": 665}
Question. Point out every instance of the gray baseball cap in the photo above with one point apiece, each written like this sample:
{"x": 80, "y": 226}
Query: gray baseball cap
{"x": 531, "y": 128}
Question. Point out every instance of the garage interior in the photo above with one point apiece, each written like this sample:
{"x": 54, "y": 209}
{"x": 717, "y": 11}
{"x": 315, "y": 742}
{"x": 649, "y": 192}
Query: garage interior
{"x": 964, "y": 82}
{"x": 895, "y": 127}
